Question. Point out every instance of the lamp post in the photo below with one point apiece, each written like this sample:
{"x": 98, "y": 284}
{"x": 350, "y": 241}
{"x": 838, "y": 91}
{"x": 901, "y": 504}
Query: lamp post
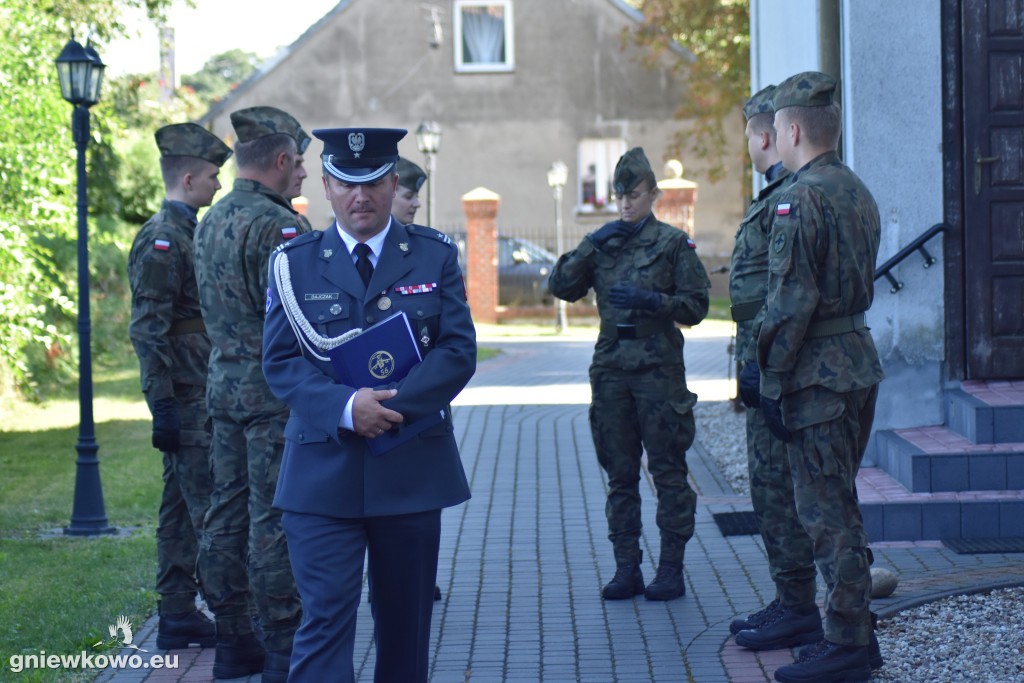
{"x": 428, "y": 139}
{"x": 81, "y": 74}
{"x": 558, "y": 174}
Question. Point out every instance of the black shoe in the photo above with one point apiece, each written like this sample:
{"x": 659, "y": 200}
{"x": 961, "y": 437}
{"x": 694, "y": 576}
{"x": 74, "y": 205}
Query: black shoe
{"x": 437, "y": 592}
{"x": 828, "y": 662}
{"x": 668, "y": 583}
{"x": 754, "y": 620}
{"x": 627, "y": 582}
{"x": 275, "y": 666}
{"x": 875, "y": 660}
{"x": 788, "y": 627}
{"x": 177, "y": 631}
{"x": 238, "y": 656}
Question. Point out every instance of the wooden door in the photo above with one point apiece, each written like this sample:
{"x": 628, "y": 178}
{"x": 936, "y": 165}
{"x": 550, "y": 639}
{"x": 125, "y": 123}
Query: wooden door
{"x": 993, "y": 106}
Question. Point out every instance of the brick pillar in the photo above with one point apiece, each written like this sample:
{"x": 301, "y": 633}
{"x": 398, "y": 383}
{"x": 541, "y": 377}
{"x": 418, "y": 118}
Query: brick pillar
{"x": 481, "y": 209}
{"x": 678, "y": 198}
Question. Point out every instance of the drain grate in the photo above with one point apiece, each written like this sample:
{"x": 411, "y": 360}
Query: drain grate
{"x": 736, "y": 523}
{"x": 973, "y": 546}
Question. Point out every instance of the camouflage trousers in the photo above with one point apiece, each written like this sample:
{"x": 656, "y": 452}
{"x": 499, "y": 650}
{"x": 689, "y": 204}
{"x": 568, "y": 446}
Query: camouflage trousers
{"x": 243, "y": 544}
{"x": 633, "y": 411}
{"x": 824, "y": 459}
{"x": 790, "y": 550}
{"x": 183, "y": 505}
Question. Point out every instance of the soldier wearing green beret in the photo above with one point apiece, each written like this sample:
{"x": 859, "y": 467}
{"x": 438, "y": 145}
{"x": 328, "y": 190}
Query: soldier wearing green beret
{"x": 170, "y": 341}
{"x": 407, "y": 195}
{"x": 648, "y": 279}
{"x": 819, "y": 367}
{"x": 244, "y": 544}
{"x": 790, "y": 619}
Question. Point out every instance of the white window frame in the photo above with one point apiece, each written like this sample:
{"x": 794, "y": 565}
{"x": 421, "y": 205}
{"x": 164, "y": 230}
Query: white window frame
{"x": 463, "y": 66}
{"x": 603, "y": 154}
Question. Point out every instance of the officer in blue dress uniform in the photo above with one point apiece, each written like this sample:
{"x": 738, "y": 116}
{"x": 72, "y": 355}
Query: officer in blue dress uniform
{"x": 339, "y": 502}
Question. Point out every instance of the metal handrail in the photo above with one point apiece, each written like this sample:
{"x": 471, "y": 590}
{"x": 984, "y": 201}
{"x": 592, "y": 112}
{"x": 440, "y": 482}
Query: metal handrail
{"x": 916, "y": 245}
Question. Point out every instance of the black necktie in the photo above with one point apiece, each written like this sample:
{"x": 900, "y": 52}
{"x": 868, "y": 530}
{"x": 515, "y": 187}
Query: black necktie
{"x": 363, "y": 264}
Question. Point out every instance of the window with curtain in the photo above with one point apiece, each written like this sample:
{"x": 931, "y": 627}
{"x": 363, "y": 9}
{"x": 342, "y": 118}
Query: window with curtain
{"x": 597, "y": 159}
{"x": 483, "y": 36}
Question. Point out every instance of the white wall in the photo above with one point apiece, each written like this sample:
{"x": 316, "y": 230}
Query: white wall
{"x": 892, "y": 80}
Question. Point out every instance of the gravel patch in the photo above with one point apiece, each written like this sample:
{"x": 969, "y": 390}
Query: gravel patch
{"x": 723, "y": 434}
{"x": 966, "y": 638}
{"x": 975, "y": 638}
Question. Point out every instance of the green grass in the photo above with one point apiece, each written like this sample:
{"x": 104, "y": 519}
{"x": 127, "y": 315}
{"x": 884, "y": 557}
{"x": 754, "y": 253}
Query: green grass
{"x": 59, "y": 593}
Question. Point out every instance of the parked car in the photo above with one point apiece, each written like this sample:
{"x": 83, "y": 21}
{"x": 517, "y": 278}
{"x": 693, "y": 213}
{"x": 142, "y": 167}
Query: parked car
{"x": 523, "y": 269}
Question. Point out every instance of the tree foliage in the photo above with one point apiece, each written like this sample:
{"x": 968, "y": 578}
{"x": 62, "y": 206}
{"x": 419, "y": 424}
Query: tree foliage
{"x": 38, "y": 191}
{"x": 717, "y": 33}
{"x": 221, "y": 74}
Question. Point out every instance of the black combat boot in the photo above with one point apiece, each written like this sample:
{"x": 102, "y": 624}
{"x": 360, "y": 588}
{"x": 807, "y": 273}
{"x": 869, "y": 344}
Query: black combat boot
{"x": 238, "y": 656}
{"x": 275, "y": 666}
{"x": 177, "y": 631}
{"x": 668, "y": 583}
{"x": 627, "y": 582}
{"x": 828, "y": 662}
{"x": 788, "y": 627}
{"x": 754, "y": 620}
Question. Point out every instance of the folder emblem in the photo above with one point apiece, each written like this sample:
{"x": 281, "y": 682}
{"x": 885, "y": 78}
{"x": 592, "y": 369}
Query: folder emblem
{"x": 382, "y": 364}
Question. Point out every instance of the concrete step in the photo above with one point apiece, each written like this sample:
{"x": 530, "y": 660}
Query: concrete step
{"x": 987, "y": 412}
{"x": 937, "y": 459}
{"x": 893, "y": 513}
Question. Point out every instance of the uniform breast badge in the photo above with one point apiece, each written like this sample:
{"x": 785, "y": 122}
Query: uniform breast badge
{"x": 404, "y": 246}
{"x": 335, "y": 309}
{"x": 328, "y": 253}
{"x": 384, "y": 303}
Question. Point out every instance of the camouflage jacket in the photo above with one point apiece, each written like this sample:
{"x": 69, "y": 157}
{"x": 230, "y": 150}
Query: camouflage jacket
{"x": 660, "y": 258}
{"x": 824, "y": 241}
{"x": 163, "y": 284}
{"x": 748, "y": 273}
{"x": 233, "y": 245}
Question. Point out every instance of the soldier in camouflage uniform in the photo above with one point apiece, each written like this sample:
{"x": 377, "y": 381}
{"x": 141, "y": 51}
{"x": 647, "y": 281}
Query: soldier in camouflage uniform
{"x": 647, "y": 278}
{"x": 819, "y": 367}
{"x": 791, "y": 619}
{"x": 234, "y": 243}
{"x": 170, "y": 341}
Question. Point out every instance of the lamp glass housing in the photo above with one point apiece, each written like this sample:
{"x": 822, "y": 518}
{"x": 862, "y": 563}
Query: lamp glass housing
{"x": 428, "y": 137}
{"x": 558, "y": 174}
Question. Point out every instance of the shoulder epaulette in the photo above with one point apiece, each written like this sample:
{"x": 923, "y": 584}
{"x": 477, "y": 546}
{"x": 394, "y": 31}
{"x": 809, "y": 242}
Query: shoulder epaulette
{"x": 430, "y": 233}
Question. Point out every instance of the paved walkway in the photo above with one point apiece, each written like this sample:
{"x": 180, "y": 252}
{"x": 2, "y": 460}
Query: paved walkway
{"x": 522, "y": 563}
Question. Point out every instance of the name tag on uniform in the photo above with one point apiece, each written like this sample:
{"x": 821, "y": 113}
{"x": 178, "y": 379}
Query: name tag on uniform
{"x": 322, "y": 296}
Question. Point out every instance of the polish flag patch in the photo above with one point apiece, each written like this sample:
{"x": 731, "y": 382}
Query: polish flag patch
{"x": 162, "y": 245}
{"x": 782, "y": 209}
{"x": 289, "y": 233}
{"x": 691, "y": 243}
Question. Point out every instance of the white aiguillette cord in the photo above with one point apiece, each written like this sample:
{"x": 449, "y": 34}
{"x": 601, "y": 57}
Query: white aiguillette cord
{"x": 304, "y": 331}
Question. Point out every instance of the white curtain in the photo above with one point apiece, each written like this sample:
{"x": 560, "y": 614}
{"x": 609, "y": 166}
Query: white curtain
{"x": 483, "y": 35}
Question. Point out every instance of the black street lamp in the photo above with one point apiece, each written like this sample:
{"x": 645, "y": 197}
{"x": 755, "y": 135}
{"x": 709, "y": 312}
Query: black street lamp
{"x": 81, "y": 75}
{"x": 428, "y": 139}
{"x": 558, "y": 174}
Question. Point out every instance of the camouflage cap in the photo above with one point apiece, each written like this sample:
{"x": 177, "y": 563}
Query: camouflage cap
{"x": 259, "y": 122}
{"x": 807, "y": 89}
{"x": 191, "y": 140}
{"x": 410, "y": 175}
{"x": 632, "y": 169}
{"x": 759, "y": 103}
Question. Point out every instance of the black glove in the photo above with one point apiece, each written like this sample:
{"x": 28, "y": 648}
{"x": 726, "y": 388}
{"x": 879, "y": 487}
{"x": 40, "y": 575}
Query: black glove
{"x": 750, "y": 385}
{"x": 166, "y": 425}
{"x": 609, "y": 230}
{"x": 628, "y": 296}
{"x": 772, "y": 412}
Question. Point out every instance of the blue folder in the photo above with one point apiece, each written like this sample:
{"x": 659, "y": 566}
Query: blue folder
{"x": 379, "y": 357}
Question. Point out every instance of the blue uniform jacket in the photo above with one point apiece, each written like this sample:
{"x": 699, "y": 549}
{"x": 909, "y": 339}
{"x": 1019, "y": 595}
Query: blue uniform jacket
{"x": 327, "y": 471}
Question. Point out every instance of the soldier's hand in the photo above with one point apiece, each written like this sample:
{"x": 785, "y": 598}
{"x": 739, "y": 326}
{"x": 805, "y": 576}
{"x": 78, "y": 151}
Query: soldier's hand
{"x": 166, "y": 425}
{"x": 750, "y": 385}
{"x": 369, "y": 417}
{"x": 628, "y": 296}
{"x": 772, "y": 411}
{"x": 607, "y": 231}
